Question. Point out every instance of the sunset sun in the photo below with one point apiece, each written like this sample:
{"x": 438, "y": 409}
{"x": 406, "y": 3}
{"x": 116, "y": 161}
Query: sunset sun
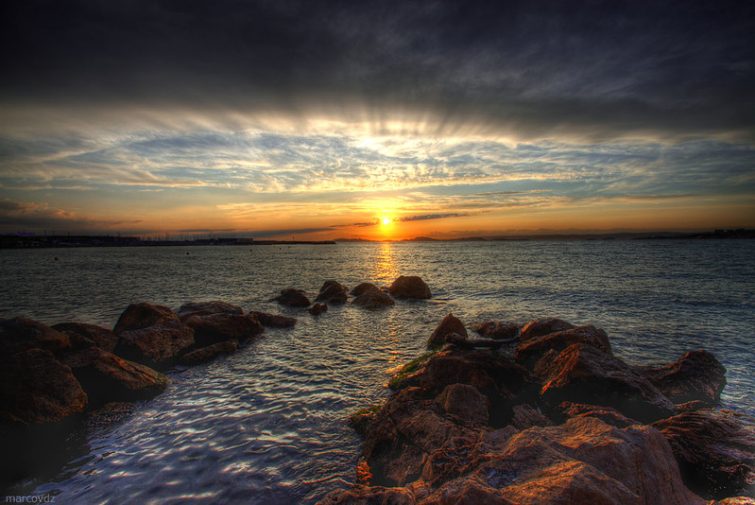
{"x": 385, "y": 221}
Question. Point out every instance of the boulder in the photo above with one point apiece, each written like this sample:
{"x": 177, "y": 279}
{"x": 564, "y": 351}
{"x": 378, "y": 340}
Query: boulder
{"x": 213, "y": 328}
{"x": 208, "y": 353}
{"x": 582, "y": 373}
{"x": 526, "y": 416}
{"x": 465, "y": 402}
{"x": 532, "y": 349}
{"x": 715, "y": 450}
{"x": 36, "y": 388}
{"x": 697, "y": 375}
{"x": 333, "y": 292}
{"x": 448, "y": 326}
{"x": 293, "y": 298}
{"x": 21, "y": 334}
{"x": 107, "y": 378}
{"x": 540, "y": 327}
{"x": 363, "y": 288}
{"x": 606, "y": 414}
{"x": 369, "y": 496}
{"x": 273, "y": 320}
{"x": 87, "y": 335}
{"x": 317, "y": 309}
{"x": 498, "y": 330}
{"x": 410, "y": 286}
{"x": 373, "y": 298}
{"x": 152, "y": 335}
{"x": 206, "y": 308}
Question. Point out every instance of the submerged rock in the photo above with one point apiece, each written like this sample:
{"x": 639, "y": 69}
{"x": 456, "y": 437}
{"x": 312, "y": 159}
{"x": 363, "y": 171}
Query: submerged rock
{"x": 210, "y": 352}
{"x": 273, "y": 320}
{"x": 22, "y": 334}
{"x": 540, "y": 327}
{"x": 291, "y": 297}
{"x": 87, "y": 335}
{"x": 371, "y": 297}
{"x": 410, "y": 286}
{"x": 317, "y": 309}
{"x": 333, "y": 292}
{"x": 206, "y": 308}
{"x": 696, "y": 376}
{"x": 450, "y": 325}
{"x": 213, "y": 328}
{"x": 152, "y": 335}
{"x": 498, "y": 330}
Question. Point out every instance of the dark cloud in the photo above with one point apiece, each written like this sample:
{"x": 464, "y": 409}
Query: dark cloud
{"x": 426, "y": 217}
{"x": 534, "y": 67}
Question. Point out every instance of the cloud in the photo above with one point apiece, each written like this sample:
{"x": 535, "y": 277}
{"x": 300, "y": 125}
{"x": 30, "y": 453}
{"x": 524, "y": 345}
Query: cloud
{"x": 30, "y": 216}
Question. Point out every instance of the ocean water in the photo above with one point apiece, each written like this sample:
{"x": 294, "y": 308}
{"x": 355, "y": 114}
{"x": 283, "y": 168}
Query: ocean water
{"x": 268, "y": 424}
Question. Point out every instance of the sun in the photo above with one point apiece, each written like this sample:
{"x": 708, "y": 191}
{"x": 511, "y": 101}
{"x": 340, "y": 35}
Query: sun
{"x": 385, "y": 221}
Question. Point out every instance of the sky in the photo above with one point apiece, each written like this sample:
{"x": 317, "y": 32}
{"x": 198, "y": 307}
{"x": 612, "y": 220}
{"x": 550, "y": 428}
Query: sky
{"x": 375, "y": 119}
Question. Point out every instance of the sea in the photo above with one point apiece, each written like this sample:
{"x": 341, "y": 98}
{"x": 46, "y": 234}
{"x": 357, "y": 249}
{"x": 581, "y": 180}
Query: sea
{"x": 268, "y": 424}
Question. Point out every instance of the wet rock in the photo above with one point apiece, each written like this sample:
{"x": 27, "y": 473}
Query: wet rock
{"x": 333, "y": 292}
{"x": 605, "y": 414}
{"x": 369, "y": 496}
{"x": 584, "y": 374}
{"x": 465, "y": 402}
{"x": 317, "y": 309}
{"x": 363, "y": 288}
{"x": 448, "y": 326}
{"x": 373, "y": 298}
{"x": 532, "y": 349}
{"x": 273, "y": 320}
{"x": 214, "y": 328}
{"x": 210, "y": 352}
{"x": 293, "y": 298}
{"x": 36, "y": 388}
{"x": 540, "y": 327}
{"x": 206, "y": 308}
{"x": 498, "y": 330}
{"x": 697, "y": 375}
{"x": 715, "y": 451}
{"x": 107, "y": 378}
{"x": 410, "y": 286}
{"x": 152, "y": 335}
{"x": 86, "y": 335}
{"x": 21, "y": 334}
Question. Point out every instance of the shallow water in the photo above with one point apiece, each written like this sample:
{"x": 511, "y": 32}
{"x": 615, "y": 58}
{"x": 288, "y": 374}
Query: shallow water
{"x": 268, "y": 424}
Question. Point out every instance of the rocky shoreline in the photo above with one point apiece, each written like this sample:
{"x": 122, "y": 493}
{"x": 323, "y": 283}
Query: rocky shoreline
{"x": 540, "y": 413}
{"x": 560, "y": 420}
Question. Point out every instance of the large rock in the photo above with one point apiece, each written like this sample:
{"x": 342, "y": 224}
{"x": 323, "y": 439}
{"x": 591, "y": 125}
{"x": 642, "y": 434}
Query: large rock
{"x": 333, "y": 292}
{"x": 152, "y": 335}
{"x": 206, "y": 308}
{"x": 317, "y": 309}
{"x": 410, "y": 286}
{"x": 291, "y": 297}
{"x": 370, "y": 496}
{"x": 465, "y": 402}
{"x": 107, "y": 378}
{"x": 205, "y": 354}
{"x": 540, "y": 327}
{"x": 87, "y": 335}
{"x": 606, "y": 414}
{"x": 532, "y": 349}
{"x": 21, "y": 334}
{"x": 371, "y": 297}
{"x": 696, "y": 376}
{"x": 363, "y": 287}
{"x": 36, "y": 388}
{"x": 498, "y": 330}
{"x": 450, "y": 325}
{"x": 213, "y": 328}
{"x": 582, "y": 373}
{"x": 715, "y": 451}
{"x": 273, "y": 320}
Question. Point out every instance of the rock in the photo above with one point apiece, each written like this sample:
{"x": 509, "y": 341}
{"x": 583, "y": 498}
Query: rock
{"x": 525, "y": 416}
{"x": 107, "y": 378}
{"x": 293, "y": 298}
{"x": 363, "y": 288}
{"x": 605, "y": 414}
{"x": 499, "y": 330}
{"x": 206, "y": 308}
{"x": 36, "y": 388}
{"x": 205, "y": 354}
{"x": 373, "y": 298}
{"x": 540, "y": 327}
{"x": 333, "y": 292}
{"x": 370, "y": 496}
{"x": 21, "y": 334}
{"x": 584, "y": 374}
{"x": 86, "y": 335}
{"x": 152, "y": 335}
{"x": 410, "y": 286}
{"x": 697, "y": 375}
{"x": 448, "y": 326}
{"x": 273, "y": 320}
{"x": 214, "y": 328}
{"x": 715, "y": 450}
{"x": 317, "y": 309}
{"x": 465, "y": 402}
{"x": 532, "y": 349}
